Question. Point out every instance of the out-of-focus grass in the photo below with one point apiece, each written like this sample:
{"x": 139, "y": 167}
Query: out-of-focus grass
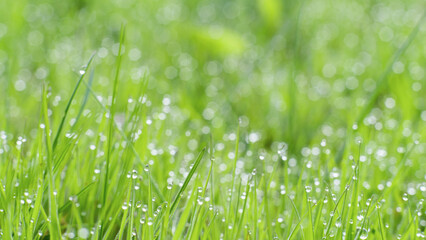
{"x": 311, "y": 115}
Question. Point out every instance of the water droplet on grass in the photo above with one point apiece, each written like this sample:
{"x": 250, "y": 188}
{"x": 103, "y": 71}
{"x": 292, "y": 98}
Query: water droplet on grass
{"x": 149, "y": 221}
{"x": 124, "y": 207}
{"x": 83, "y": 233}
{"x": 308, "y": 189}
{"x": 364, "y": 234}
{"x": 405, "y": 197}
{"x": 338, "y": 222}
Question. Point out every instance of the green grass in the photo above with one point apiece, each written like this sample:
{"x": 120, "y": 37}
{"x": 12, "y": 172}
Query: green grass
{"x": 260, "y": 119}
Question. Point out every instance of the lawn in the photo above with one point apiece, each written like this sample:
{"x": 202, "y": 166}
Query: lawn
{"x": 259, "y": 119}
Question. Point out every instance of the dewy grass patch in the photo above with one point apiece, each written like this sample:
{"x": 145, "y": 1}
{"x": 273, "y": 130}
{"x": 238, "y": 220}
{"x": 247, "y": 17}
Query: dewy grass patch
{"x": 212, "y": 120}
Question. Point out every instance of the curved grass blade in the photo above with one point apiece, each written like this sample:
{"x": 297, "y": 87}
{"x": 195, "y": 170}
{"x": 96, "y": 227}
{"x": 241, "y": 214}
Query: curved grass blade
{"x": 67, "y": 108}
{"x": 111, "y": 118}
{"x": 298, "y": 217}
{"x": 206, "y": 234}
{"x": 244, "y": 210}
{"x": 233, "y": 172}
{"x": 68, "y": 203}
{"x": 54, "y": 227}
{"x": 381, "y": 227}
{"x": 86, "y": 97}
{"x": 187, "y": 179}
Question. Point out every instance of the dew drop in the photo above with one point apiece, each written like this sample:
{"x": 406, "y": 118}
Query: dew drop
{"x": 83, "y": 233}
{"x": 364, "y": 234}
{"x": 338, "y": 223}
{"x": 405, "y": 197}
{"x": 308, "y": 189}
{"x": 124, "y": 207}
{"x": 149, "y": 221}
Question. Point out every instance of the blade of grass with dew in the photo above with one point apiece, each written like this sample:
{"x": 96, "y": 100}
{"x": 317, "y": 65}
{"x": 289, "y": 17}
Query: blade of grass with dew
{"x": 206, "y": 233}
{"x": 112, "y": 220}
{"x": 67, "y": 108}
{"x": 212, "y": 162}
{"x": 126, "y": 165}
{"x": 165, "y": 222}
{"x": 243, "y": 212}
{"x": 299, "y": 221}
{"x": 236, "y": 210}
{"x": 18, "y": 207}
{"x": 97, "y": 232}
{"x": 6, "y": 227}
{"x": 381, "y": 227}
{"x": 353, "y": 211}
{"x": 85, "y": 99}
{"x": 407, "y": 232}
{"x": 65, "y": 153}
{"x": 193, "y": 217}
{"x": 45, "y": 218}
{"x": 111, "y": 119}
{"x": 54, "y": 227}
{"x": 68, "y": 203}
{"x": 334, "y": 213}
{"x": 400, "y": 172}
{"x": 180, "y": 228}
{"x": 234, "y": 169}
{"x": 317, "y": 230}
{"x": 186, "y": 182}
{"x": 76, "y": 215}
{"x": 159, "y": 219}
{"x": 150, "y": 215}
{"x": 125, "y": 215}
{"x": 340, "y": 230}
{"x": 198, "y": 223}
{"x": 255, "y": 204}
{"x": 35, "y": 212}
{"x": 266, "y": 206}
{"x": 363, "y": 224}
{"x": 310, "y": 227}
{"x": 132, "y": 211}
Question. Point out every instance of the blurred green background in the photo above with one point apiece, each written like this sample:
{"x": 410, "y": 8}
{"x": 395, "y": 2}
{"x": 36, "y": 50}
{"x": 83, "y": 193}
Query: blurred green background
{"x": 293, "y": 70}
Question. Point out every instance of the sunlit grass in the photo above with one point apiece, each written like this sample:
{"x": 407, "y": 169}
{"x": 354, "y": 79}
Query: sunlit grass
{"x": 212, "y": 120}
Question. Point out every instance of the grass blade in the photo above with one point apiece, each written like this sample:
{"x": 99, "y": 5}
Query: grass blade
{"x": 67, "y": 108}
{"x": 111, "y": 118}
{"x": 186, "y": 182}
{"x": 54, "y": 227}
